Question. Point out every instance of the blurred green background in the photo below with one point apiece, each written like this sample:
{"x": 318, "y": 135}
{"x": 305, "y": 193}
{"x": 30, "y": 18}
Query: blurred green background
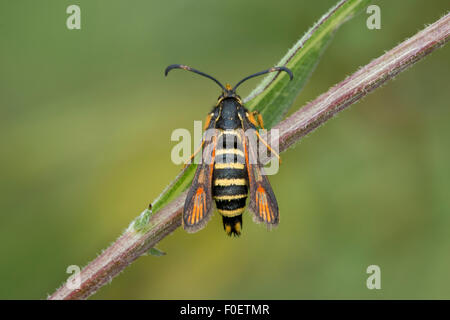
{"x": 86, "y": 117}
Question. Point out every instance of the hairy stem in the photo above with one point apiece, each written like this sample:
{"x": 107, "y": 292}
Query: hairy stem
{"x": 362, "y": 82}
{"x": 132, "y": 244}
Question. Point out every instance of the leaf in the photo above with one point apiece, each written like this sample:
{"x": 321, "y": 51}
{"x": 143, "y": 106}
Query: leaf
{"x": 155, "y": 252}
{"x": 275, "y": 94}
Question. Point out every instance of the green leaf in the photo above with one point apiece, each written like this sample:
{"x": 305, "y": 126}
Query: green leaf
{"x": 155, "y": 252}
{"x": 275, "y": 94}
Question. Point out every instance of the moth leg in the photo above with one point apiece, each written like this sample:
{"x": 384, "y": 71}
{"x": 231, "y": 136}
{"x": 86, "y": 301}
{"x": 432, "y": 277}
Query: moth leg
{"x": 259, "y": 118}
{"x": 267, "y": 146}
{"x": 251, "y": 118}
{"x": 188, "y": 161}
{"x": 207, "y": 123}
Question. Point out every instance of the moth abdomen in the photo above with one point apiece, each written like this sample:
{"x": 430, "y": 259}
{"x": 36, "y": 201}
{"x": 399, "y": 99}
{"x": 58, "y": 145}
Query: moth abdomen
{"x": 230, "y": 180}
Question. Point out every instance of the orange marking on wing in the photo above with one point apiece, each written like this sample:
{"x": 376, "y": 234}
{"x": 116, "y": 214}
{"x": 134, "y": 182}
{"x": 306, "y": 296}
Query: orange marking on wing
{"x": 198, "y": 203}
{"x": 262, "y": 212}
{"x": 266, "y": 213}
{"x": 198, "y": 209}
{"x": 272, "y": 216}
{"x": 269, "y": 218}
{"x": 261, "y": 208}
{"x": 263, "y": 204}
{"x": 193, "y": 213}
{"x": 204, "y": 206}
{"x": 201, "y": 208}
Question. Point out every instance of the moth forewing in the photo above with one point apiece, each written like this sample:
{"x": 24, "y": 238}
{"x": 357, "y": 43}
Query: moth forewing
{"x": 263, "y": 203}
{"x": 198, "y": 205}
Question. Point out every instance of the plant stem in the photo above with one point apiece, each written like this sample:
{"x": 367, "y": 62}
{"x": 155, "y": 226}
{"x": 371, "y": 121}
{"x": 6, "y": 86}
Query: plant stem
{"x": 127, "y": 248}
{"x": 132, "y": 244}
{"x": 365, "y": 80}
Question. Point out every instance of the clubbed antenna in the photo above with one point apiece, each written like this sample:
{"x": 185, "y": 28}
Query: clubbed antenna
{"x": 180, "y": 66}
{"x": 289, "y": 72}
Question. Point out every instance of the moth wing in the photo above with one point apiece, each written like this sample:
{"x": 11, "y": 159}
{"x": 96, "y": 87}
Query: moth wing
{"x": 262, "y": 201}
{"x": 198, "y": 205}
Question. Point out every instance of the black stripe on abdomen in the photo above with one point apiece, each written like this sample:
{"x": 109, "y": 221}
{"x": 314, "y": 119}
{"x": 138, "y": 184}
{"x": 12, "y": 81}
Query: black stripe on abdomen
{"x": 229, "y": 157}
{"x": 229, "y": 190}
{"x": 230, "y": 205}
{"x": 229, "y": 174}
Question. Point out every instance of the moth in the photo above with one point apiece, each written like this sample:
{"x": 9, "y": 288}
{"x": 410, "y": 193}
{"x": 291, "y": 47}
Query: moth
{"x": 230, "y": 170}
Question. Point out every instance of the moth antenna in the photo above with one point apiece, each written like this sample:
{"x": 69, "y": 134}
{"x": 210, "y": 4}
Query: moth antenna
{"x": 181, "y": 66}
{"x": 288, "y": 71}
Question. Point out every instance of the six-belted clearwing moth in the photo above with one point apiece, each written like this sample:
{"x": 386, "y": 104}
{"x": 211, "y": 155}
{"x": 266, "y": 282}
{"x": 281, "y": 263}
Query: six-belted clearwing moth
{"x": 230, "y": 170}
